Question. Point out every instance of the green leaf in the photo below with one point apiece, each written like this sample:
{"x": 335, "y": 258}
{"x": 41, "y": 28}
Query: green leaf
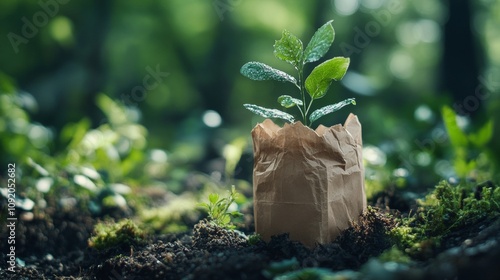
{"x": 463, "y": 167}
{"x": 330, "y": 109}
{"x": 269, "y": 113}
{"x": 203, "y": 205}
{"x": 236, "y": 214}
{"x": 233, "y": 192}
{"x": 457, "y": 136}
{"x": 261, "y": 72}
{"x": 225, "y": 219}
{"x": 483, "y": 136}
{"x": 288, "y": 48}
{"x": 320, "y": 43}
{"x": 213, "y": 198}
{"x": 216, "y": 214}
{"x": 318, "y": 82}
{"x": 287, "y": 101}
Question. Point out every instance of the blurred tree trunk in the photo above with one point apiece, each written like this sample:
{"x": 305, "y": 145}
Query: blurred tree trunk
{"x": 459, "y": 64}
{"x": 93, "y": 58}
{"x": 73, "y": 77}
{"x": 216, "y": 86}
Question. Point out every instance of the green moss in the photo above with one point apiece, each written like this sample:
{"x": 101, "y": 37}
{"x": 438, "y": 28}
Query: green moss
{"x": 172, "y": 217}
{"x": 449, "y": 208}
{"x": 254, "y": 239}
{"x": 446, "y": 209}
{"x": 108, "y": 235}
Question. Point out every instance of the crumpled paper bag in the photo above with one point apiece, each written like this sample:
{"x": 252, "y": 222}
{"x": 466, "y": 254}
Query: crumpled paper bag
{"x": 307, "y": 183}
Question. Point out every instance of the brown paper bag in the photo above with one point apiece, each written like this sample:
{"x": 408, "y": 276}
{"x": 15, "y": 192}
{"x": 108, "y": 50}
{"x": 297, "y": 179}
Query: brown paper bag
{"x": 307, "y": 183}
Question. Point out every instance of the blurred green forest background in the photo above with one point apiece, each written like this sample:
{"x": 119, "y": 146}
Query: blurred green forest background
{"x": 152, "y": 88}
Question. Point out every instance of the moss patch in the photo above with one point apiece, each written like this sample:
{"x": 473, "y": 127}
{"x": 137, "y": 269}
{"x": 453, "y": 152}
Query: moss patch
{"x": 447, "y": 209}
{"x": 108, "y": 235}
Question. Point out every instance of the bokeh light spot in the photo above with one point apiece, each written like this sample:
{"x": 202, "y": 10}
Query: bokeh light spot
{"x": 423, "y": 113}
{"x": 374, "y": 156}
{"x": 61, "y": 30}
{"x": 158, "y": 156}
{"x": 401, "y": 65}
{"x": 212, "y": 118}
{"x": 346, "y": 7}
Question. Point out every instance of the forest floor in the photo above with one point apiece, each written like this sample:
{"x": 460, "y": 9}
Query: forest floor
{"x": 54, "y": 245}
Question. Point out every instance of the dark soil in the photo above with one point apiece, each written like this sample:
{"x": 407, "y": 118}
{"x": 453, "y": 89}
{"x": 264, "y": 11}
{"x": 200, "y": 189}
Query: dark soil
{"x": 53, "y": 245}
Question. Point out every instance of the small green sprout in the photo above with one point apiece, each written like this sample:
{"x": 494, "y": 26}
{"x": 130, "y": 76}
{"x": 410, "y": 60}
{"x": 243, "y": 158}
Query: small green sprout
{"x": 218, "y": 209}
{"x": 290, "y": 49}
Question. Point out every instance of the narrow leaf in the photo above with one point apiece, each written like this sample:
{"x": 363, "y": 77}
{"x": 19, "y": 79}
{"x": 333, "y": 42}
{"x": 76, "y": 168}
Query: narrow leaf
{"x": 330, "y": 109}
{"x": 318, "y": 82}
{"x": 233, "y": 192}
{"x": 287, "y": 101}
{"x": 463, "y": 167}
{"x": 269, "y": 113}
{"x": 261, "y": 72}
{"x": 288, "y": 48}
{"x": 457, "y": 136}
{"x": 320, "y": 43}
{"x": 483, "y": 136}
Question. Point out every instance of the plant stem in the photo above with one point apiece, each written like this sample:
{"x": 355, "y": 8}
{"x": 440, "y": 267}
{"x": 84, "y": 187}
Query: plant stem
{"x": 301, "y": 83}
{"x": 301, "y": 112}
{"x": 309, "y": 107}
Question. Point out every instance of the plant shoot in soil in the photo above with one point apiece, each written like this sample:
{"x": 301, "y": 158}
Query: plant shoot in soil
{"x": 290, "y": 49}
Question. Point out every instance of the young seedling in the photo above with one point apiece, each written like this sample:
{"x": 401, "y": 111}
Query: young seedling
{"x": 290, "y": 49}
{"x": 217, "y": 209}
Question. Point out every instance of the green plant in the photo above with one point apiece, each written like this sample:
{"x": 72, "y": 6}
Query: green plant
{"x": 87, "y": 162}
{"x": 470, "y": 151}
{"x": 290, "y": 49}
{"x": 218, "y": 209}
